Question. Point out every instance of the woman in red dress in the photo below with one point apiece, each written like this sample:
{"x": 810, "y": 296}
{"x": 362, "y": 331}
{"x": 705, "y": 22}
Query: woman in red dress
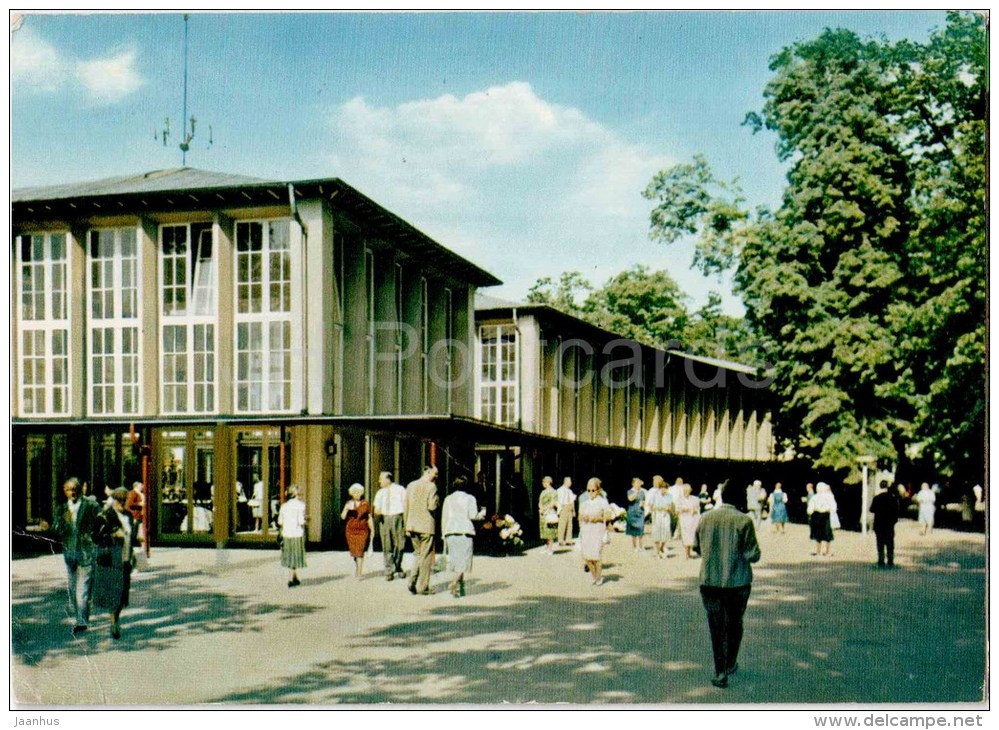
{"x": 357, "y": 513}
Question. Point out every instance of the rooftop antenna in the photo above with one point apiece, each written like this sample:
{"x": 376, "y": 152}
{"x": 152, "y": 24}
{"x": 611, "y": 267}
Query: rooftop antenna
{"x": 189, "y": 123}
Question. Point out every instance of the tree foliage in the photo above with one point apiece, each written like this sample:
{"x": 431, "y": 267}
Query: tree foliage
{"x": 649, "y": 307}
{"x": 868, "y": 281}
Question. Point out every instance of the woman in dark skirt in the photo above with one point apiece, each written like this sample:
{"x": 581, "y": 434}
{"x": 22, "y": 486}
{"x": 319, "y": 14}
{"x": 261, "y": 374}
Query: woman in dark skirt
{"x": 113, "y": 574}
{"x": 820, "y": 511}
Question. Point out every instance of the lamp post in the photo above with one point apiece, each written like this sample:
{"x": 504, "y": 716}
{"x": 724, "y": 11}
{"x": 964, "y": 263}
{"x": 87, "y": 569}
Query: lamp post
{"x": 864, "y": 461}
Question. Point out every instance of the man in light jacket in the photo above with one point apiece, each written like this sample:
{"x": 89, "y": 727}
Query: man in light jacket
{"x": 421, "y": 503}
{"x": 726, "y": 540}
{"x": 566, "y": 502}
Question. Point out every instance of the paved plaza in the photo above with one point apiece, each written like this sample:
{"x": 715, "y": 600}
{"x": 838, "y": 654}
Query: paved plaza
{"x": 207, "y": 626}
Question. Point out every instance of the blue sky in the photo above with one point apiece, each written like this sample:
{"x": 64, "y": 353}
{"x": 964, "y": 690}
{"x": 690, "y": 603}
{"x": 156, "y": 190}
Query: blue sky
{"x": 520, "y": 140}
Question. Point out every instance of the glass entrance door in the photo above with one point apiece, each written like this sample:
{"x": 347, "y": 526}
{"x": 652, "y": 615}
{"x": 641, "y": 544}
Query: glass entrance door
{"x": 262, "y": 474}
{"x": 186, "y": 482}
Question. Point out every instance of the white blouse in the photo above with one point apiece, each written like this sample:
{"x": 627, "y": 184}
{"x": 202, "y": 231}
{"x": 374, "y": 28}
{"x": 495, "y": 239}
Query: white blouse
{"x": 594, "y": 509}
{"x": 457, "y": 514}
{"x": 291, "y": 517}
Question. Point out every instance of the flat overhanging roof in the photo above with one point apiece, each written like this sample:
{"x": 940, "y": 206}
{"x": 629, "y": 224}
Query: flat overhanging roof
{"x": 189, "y": 188}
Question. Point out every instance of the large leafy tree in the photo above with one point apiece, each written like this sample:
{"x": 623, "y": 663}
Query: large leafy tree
{"x": 647, "y": 306}
{"x": 941, "y": 101}
{"x": 867, "y": 283}
{"x": 641, "y": 304}
{"x": 569, "y": 294}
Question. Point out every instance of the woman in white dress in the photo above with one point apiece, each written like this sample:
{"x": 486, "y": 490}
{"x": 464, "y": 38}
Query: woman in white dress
{"x": 593, "y": 516}
{"x": 927, "y": 502}
{"x": 689, "y": 510}
{"x": 659, "y": 504}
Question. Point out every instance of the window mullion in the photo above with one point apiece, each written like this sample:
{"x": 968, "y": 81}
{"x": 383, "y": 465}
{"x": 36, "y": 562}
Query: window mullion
{"x": 265, "y": 316}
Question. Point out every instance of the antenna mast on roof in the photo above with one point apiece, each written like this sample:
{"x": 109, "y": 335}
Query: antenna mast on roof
{"x": 185, "y": 143}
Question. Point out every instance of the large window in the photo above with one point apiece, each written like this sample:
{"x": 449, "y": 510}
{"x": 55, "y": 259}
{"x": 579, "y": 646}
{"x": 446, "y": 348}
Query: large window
{"x": 114, "y": 462}
{"x": 42, "y": 274}
{"x": 188, "y": 304}
{"x": 499, "y": 374}
{"x": 264, "y": 316}
{"x": 114, "y": 313}
{"x": 45, "y": 466}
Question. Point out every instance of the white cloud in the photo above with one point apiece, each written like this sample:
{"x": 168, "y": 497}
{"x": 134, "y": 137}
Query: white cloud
{"x": 448, "y": 150}
{"x": 39, "y": 67}
{"x": 521, "y": 186}
{"x": 36, "y": 63}
{"x": 110, "y": 79}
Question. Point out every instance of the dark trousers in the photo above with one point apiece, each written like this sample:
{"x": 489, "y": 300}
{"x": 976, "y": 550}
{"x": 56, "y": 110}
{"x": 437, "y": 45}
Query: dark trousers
{"x": 725, "y": 607}
{"x": 885, "y": 538}
{"x": 393, "y": 542}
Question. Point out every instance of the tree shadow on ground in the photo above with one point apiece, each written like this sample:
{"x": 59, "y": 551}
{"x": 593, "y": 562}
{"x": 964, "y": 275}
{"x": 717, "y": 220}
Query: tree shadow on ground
{"x": 818, "y": 632}
{"x": 165, "y": 604}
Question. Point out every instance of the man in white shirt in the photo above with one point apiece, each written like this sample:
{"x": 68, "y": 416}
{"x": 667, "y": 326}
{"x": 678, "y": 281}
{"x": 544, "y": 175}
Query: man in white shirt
{"x": 565, "y": 501}
{"x": 390, "y": 506}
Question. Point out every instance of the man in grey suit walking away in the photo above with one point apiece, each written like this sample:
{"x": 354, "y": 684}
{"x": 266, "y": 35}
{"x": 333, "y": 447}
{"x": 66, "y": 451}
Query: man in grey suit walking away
{"x": 421, "y": 503}
{"x": 726, "y": 540}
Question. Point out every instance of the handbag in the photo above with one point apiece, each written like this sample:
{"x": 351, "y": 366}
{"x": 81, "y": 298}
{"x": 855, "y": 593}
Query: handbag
{"x": 551, "y": 517}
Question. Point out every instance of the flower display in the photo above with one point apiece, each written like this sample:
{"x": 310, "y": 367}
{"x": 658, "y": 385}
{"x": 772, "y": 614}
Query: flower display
{"x": 502, "y": 534}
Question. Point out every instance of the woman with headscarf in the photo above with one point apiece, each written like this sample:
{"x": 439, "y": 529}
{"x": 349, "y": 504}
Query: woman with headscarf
{"x": 291, "y": 520}
{"x": 593, "y": 516}
{"x": 457, "y": 514}
{"x": 820, "y": 511}
{"x": 357, "y": 513}
{"x": 115, "y": 532}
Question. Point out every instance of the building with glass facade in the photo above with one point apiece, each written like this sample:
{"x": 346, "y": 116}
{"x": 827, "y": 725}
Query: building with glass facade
{"x": 220, "y": 338}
